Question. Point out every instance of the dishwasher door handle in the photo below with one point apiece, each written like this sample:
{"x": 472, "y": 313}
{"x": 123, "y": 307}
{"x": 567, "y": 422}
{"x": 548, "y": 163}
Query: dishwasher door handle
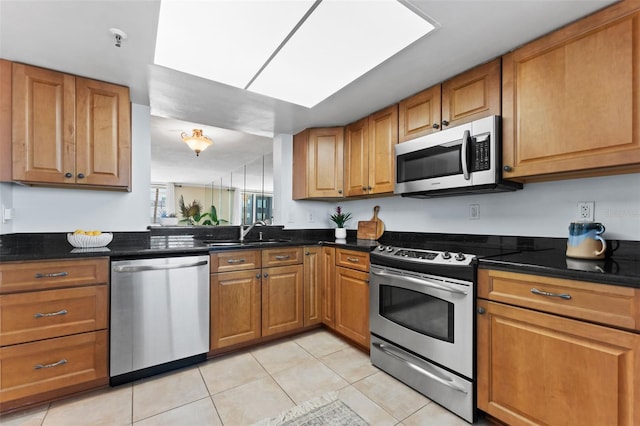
{"x": 158, "y": 267}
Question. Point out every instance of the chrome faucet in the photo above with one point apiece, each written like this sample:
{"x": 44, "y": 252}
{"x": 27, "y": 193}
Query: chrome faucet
{"x": 244, "y": 232}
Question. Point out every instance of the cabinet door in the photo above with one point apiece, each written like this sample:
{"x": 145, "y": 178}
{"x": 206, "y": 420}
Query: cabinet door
{"x": 328, "y": 265}
{"x": 356, "y": 158}
{"x": 282, "y": 299}
{"x": 471, "y": 95}
{"x": 235, "y": 307}
{"x": 352, "y": 305}
{"x": 43, "y": 125}
{"x": 383, "y": 136}
{"x": 325, "y": 162}
{"x": 419, "y": 115}
{"x": 103, "y": 135}
{"x": 570, "y": 99}
{"x": 6, "y": 174}
{"x": 312, "y": 279}
{"x": 536, "y": 368}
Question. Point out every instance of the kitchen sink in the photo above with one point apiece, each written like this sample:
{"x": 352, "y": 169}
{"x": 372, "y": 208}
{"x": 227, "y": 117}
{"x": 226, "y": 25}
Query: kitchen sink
{"x": 227, "y": 243}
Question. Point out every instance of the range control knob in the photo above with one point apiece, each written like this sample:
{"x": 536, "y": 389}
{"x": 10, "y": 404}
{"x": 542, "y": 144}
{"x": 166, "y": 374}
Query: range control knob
{"x": 460, "y": 257}
{"x": 389, "y": 249}
{"x": 380, "y": 248}
{"x": 446, "y": 255}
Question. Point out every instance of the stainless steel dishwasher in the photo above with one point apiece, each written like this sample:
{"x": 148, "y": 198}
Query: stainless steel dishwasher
{"x": 159, "y": 315}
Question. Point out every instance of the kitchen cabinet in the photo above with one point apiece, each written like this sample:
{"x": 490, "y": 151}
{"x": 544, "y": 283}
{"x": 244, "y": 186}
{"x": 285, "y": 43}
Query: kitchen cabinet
{"x": 53, "y": 329}
{"x": 255, "y": 293}
{"x": 570, "y": 99}
{"x": 546, "y": 359}
{"x": 466, "y": 97}
{"x": 328, "y": 264}
{"x": 5, "y": 120}
{"x": 369, "y": 154}
{"x": 318, "y": 163}
{"x": 352, "y": 295}
{"x": 312, "y": 281}
{"x": 69, "y": 131}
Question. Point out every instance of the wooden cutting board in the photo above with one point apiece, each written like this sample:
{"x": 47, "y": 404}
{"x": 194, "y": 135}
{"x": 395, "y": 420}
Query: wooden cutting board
{"x": 371, "y": 229}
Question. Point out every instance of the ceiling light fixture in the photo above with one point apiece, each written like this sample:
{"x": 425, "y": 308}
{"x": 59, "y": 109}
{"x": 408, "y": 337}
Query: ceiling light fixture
{"x": 303, "y": 53}
{"x": 197, "y": 142}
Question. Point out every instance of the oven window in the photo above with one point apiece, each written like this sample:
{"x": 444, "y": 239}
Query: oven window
{"x": 429, "y": 163}
{"x": 419, "y": 312}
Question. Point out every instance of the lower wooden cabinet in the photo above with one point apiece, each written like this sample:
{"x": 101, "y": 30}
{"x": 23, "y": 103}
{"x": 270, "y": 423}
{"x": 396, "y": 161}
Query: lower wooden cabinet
{"x": 48, "y": 367}
{"x": 537, "y": 368}
{"x": 345, "y": 293}
{"x": 352, "y": 305}
{"x": 549, "y": 360}
{"x": 53, "y": 329}
{"x": 263, "y": 293}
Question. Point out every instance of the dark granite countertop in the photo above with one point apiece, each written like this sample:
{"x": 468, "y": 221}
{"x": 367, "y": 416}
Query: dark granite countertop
{"x": 542, "y": 256}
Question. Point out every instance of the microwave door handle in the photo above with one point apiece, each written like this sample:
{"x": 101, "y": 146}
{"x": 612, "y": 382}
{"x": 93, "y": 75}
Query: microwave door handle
{"x": 466, "y": 137}
{"x": 421, "y": 281}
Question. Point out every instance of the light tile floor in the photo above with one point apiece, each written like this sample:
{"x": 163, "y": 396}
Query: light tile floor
{"x": 248, "y": 386}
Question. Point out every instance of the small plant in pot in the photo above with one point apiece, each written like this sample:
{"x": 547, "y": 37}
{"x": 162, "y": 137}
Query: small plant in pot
{"x": 340, "y": 218}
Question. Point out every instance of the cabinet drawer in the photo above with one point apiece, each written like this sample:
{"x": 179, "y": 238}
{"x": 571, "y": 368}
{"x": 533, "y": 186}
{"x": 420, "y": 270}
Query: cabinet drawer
{"x": 43, "y": 275}
{"x": 235, "y": 260}
{"x": 47, "y": 365}
{"x": 353, "y": 259}
{"x": 25, "y": 317}
{"x": 281, "y": 256}
{"x": 606, "y": 304}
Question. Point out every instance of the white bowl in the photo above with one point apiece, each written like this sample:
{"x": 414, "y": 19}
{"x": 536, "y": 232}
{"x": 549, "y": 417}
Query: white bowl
{"x": 85, "y": 241}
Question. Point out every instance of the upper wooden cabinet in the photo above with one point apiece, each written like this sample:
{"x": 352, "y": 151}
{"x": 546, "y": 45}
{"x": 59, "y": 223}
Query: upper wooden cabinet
{"x": 466, "y": 97}
{"x": 570, "y": 99}
{"x": 369, "y": 155}
{"x": 318, "y": 161}
{"x": 5, "y": 120}
{"x": 68, "y": 130}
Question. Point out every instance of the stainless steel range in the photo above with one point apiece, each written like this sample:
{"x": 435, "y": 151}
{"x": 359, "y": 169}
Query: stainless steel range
{"x": 422, "y": 323}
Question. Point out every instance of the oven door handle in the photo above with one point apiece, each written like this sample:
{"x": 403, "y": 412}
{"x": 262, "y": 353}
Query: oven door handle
{"x": 446, "y": 381}
{"x": 420, "y": 281}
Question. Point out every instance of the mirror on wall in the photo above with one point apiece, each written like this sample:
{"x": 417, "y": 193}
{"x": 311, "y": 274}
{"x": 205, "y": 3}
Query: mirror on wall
{"x": 234, "y": 175}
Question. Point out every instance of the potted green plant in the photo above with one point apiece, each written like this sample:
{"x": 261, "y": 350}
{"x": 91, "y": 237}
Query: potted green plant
{"x": 340, "y": 218}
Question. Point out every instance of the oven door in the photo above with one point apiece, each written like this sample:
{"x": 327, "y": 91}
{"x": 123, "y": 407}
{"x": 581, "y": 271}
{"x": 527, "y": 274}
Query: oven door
{"x": 428, "y": 315}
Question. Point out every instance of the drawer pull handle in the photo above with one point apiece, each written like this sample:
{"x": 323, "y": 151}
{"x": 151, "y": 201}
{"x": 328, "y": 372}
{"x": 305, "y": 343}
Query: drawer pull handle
{"x": 235, "y": 261}
{"x": 52, "y": 275}
{"x": 284, "y": 257}
{"x": 353, "y": 259}
{"x": 55, "y": 364}
{"x": 51, "y": 314}
{"x": 545, "y": 293}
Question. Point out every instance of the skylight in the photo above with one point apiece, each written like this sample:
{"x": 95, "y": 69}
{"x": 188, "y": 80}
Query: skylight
{"x": 297, "y": 51}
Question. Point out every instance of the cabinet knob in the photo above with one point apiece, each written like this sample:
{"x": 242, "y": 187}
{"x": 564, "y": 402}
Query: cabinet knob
{"x": 436, "y": 126}
{"x": 369, "y": 188}
{"x": 481, "y": 311}
{"x": 445, "y": 123}
{"x": 364, "y": 188}
{"x": 339, "y": 191}
{"x": 68, "y": 175}
{"x": 80, "y": 175}
{"x": 266, "y": 275}
{"x": 507, "y": 168}
{"x": 258, "y": 276}
{"x": 306, "y": 253}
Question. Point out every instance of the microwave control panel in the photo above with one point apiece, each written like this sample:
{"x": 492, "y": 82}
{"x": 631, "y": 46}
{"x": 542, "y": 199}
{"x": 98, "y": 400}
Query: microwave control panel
{"x": 481, "y": 155}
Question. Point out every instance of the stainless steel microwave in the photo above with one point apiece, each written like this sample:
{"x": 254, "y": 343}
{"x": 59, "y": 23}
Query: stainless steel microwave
{"x": 461, "y": 160}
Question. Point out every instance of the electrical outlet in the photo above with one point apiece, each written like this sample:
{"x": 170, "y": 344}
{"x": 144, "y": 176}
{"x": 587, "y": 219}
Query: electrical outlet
{"x": 309, "y": 217}
{"x": 474, "y": 211}
{"x": 586, "y": 210}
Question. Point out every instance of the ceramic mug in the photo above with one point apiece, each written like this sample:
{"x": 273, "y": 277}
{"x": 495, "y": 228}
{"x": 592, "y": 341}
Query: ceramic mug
{"x": 585, "y": 240}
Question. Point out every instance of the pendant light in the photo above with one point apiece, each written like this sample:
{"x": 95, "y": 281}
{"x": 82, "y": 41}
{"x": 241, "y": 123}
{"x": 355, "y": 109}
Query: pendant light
{"x": 197, "y": 142}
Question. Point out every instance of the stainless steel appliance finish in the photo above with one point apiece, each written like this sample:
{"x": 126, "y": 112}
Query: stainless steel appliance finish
{"x": 159, "y": 315}
{"x": 422, "y": 323}
{"x": 462, "y": 159}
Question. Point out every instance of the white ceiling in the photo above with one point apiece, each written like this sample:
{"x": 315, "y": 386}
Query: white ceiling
{"x": 73, "y": 36}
